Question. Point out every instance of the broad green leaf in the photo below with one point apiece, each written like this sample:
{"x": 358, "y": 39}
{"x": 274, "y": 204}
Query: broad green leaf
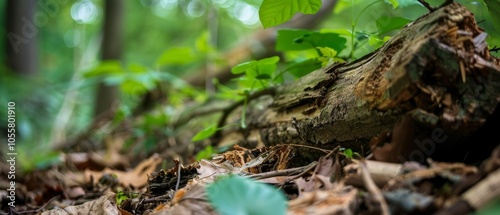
{"x": 375, "y": 41}
{"x": 386, "y": 24}
{"x": 133, "y": 87}
{"x": 105, "y": 68}
{"x": 246, "y": 83}
{"x": 269, "y": 60}
{"x": 205, "y": 133}
{"x": 255, "y": 68}
{"x": 176, "y": 56}
{"x": 275, "y": 12}
{"x": 137, "y": 68}
{"x": 265, "y": 69}
{"x": 301, "y": 68}
{"x": 238, "y": 195}
{"x": 286, "y": 40}
{"x": 494, "y": 9}
{"x": 242, "y": 67}
{"x": 297, "y": 39}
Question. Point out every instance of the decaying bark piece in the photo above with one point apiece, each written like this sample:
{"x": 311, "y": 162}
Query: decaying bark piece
{"x": 437, "y": 70}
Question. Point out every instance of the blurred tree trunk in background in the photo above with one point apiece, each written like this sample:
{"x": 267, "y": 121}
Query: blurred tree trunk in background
{"x": 111, "y": 50}
{"x": 21, "y": 40}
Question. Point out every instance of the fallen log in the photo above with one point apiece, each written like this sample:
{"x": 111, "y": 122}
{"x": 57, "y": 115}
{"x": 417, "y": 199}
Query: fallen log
{"x": 428, "y": 87}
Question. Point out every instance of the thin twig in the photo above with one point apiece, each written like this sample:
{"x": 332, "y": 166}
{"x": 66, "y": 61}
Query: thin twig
{"x": 310, "y": 147}
{"x": 178, "y": 175}
{"x": 283, "y": 172}
{"x": 314, "y": 164}
{"x": 372, "y": 188}
{"x": 309, "y": 168}
{"x": 37, "y": 210}
{"x": 157, "y": 199}
{"x": 495, "y": 49}
{"x": 427, "y": 5}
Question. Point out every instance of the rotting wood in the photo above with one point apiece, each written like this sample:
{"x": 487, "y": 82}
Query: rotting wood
{"x": 437, "y": 70}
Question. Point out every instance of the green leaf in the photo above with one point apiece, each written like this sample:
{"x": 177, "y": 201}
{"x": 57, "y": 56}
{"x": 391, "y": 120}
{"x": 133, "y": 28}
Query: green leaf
{"x": 386, "y": 23}
{"x": 254, "y": 68}
{"x": 120, "y": 197}
{"x": 246, "y": 83}
{"x": 269, "y": 60}
{"x": 237, "y": 195}
{"x": 242, "y": 67}
{"x": 133, "y": 87}
{"x": 176, "y": 56}
{"x": 301, "y": 68}
{"x": 137, "y": 68}
{"x": 275, "y": 12}
{"x": 287, "y": 40}
{"x": 327, "y": 52}
{"x": 348, "y": 153}
{"x": 205, "y": 133}
{"x": 394, "y": 3}
{"x": 105, "y": 68}
{"x": 494, "y": 9}
{"x": 264, "y": 69}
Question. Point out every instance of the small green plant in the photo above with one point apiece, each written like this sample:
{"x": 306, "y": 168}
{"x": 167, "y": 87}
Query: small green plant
{"x": 205, "y": 133}
{"x": 121, "y": 196}
{"x": 350, "y": 154}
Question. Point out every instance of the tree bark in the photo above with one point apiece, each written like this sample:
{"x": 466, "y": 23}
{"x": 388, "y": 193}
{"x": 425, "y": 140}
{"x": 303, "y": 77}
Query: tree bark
{"x": 432, "y": 84}
{"x": 21, "y": 41}
{"x": 111, "y": 50}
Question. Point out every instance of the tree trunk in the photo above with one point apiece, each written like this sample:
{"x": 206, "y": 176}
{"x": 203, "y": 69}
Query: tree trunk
{"x": 21, "y": 40}
{"x": 111, "y": 50}
{"x": 432, "y": 85}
